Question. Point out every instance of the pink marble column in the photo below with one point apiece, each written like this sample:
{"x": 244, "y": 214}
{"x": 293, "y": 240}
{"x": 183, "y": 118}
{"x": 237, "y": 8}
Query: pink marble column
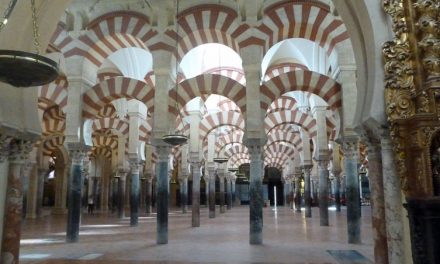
{"x": 19, "y": 150}
{"x": 377, "y": 203}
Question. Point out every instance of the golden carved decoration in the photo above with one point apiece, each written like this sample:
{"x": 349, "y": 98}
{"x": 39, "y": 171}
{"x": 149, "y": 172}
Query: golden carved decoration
{"x": 412, "y": 75}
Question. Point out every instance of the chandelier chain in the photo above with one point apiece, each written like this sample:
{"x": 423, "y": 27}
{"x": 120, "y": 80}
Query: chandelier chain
{"x": 7, "y": 13}
{"x": 35, "y": 27}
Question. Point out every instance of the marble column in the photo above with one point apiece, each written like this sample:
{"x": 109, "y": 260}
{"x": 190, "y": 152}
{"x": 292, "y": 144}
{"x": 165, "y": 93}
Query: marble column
{"x": 26, "y": 171}
{"x": 206, "y": 179}
{"x": 134, "y": 191}
{"x": 122, "y": 177}
{"x": 323, "y": 192}
{"x": 307, "y": 190}
{"x": 143, "y": 188}
{"x": 162, "y": 193}
{"x": 211, "y": 173}
{"x": 195, "y": 170}
{"x": 77, "y": 153}
{"x": 19, "y": 150}
{"x": 221, "y": 177}
{"x": 351, "y": 157}
{"x": 61, "y": 187}
{"x": 228, "y": 193}
{"x": 393, "y": 204}
{"x": 114, "y": 194}
{"x": 337, "y": 190}
{"x": 286, "y": 187}
{"x": 40, "y": 191}
{"x": 234, "y": 195}
{"x": 256, "y": 192}
{"x": 148, "y": 194}
{"x": 291, "y": 191}
{"x": 298, "y": 192}
{"x": 183, "y": 182}
{"x": 377, "y": 203}
{"x": 32, "y": 193}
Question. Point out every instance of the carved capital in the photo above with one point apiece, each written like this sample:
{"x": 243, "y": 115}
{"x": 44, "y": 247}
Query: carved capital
{"x": 163, "y": 151}
{"x": 351, "y": 148}
{"x": 19, "y": 150}
{"x": 4, "y": 147}
{"x": 77, "y": 152}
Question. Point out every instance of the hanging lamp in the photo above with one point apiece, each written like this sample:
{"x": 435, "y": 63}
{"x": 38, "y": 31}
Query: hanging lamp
{"x": 26, "y": 69}
{"x": 233, "y": 169}
{"x": 174, "y": 138}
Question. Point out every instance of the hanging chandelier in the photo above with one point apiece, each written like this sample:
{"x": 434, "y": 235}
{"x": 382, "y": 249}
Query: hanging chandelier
{"x": 174, "y": 138}
{"x": 233, "y": 169}
{"x": 26, "y": 69}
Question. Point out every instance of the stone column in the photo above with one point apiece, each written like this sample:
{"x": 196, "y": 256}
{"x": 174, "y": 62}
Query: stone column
{"x": 19, "y": 150}
{"x": 40, "y": 191}
{"x": 122, "y": 177}
{"x": 393, "y": 204}
{"x": 323, "y": 191}
{"x": 377, "y": 203}
{"x": 221, "y": 176}
{"x": 183, "y": 182}
{"x": 291, "y": 181}
{"x": 234, "y": 195}
{"x": 25, "y": 172}
{"x": 228, "y": 193}
{"x": 134, "y": 190}
{"x": 114, "y": 193}
{"x": 206, "y": 179}
{"x": 77, "y": 153}
{"x": 286, "y": 187}
{"x": 148, "y": 193}
{"x": 211, "y": 173}
{"x": 32, "y": 193}
{"x": 60, "y": 187}
{"x": 298, "y": 192}
{"x": 256, "y": 192}
{"x": 162, "y": 193}
{"x": 351, "y": 157}
{"x": 307, "y": 190}
{"x": 195, "y": 170}
{"x": 337, "y": 180}
{"x": 143, "y": 188}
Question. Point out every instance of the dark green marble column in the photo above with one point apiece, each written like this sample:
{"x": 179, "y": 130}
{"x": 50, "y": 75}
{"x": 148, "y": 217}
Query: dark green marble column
{"x": 307, "y": 191}
{"x": 162, "y": 194}
{"x": 323, "y": 192}
{"x": 228, "y": 193}
{"x": 211, "y": 174}
{"x": 134, "y": 191}
{"x": 221, "y": 177}
{"x": 256, "y": 192}
{"x": 351, "y": 157}
{"x": 77, "y": 152}
{"x": 195, "y": 170}
{"x": 183, "y": 181}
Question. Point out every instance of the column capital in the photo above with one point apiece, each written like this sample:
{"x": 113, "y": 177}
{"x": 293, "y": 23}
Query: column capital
{"x": 19, "y": 150}
{"x": 350, "y": 147}
{"x": 307, "y": 168}
{"x": 323, "y": 164}
{"x": 77, "y": 152}
{"x": 162, "y": 150}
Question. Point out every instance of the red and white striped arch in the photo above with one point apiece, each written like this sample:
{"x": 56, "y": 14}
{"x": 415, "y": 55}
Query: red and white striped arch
{"x": 226, "y": 130}
{"x": 213, "y": 121}
{"x": 145, "y": 129}
{"x": 281, "y": 68}
{"x": 306, "y": 81}
{"x": 105, "y": 141}
{"x": 308, "y": 19}
{"x": 282, "y": 103}
{"x": 230, "y": 72}
{"x": 117, "y": 124}
{"x": 107, "y": 111}
{"x": 54, "y": 93}
{"x": 52, "y": 143}
{"x": 233, "y": 149}
{"x": 233, "y": 137}
{"x": 206, "y": 24}
{"x": 111, "y": 32}
{"x": 295, "y": 117}
{"x": 207, "y": 84}
{"x": 107, "y": 73}
{"x": 228, "y": 105}
{"x": 277, "y": 136}
{"x": 105, "y": 92}
{"x": 277, "y": 149}
{"x": 105, "y": 152}
{"x": 62, "y": 41}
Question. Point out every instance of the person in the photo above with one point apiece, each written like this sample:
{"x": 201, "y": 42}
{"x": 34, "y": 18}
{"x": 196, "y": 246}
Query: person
{"x": 90, "y": 206}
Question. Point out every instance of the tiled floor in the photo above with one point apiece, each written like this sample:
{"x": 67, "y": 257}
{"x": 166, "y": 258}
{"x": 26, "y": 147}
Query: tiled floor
{"x": 288, "y": 238}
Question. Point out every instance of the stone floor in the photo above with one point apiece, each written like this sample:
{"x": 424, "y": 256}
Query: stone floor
{"x": 288, "y": 238}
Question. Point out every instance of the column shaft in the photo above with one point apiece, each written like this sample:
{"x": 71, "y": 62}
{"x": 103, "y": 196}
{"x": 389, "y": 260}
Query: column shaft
{"x": 393, "y": 204}
{"x": 256, "y": 195}
{"x": 134, "y": 193}
{"x": 222, "y": 194}
{"x": 148, "y": 195}
{"x": 352, "y": 192}
{"x": 121, "y": 195}
{"x": 40, "y": 191}
{"x": 77, "y": 153}
{"x": 307, "y": 191}
{"x": 337, "y": 192}
{"x": 298, "y": 193}
{"x": 377, "y": 204}
{"x": 162, "y": 195}
{"x": 184, "y": 194}
{"x": 228, "y": 194}
{"x": 234, "y": 196}
{"x": 323, "y": 192}
{"x": 211, "y": 193}
{"x": 195, "y": 194}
